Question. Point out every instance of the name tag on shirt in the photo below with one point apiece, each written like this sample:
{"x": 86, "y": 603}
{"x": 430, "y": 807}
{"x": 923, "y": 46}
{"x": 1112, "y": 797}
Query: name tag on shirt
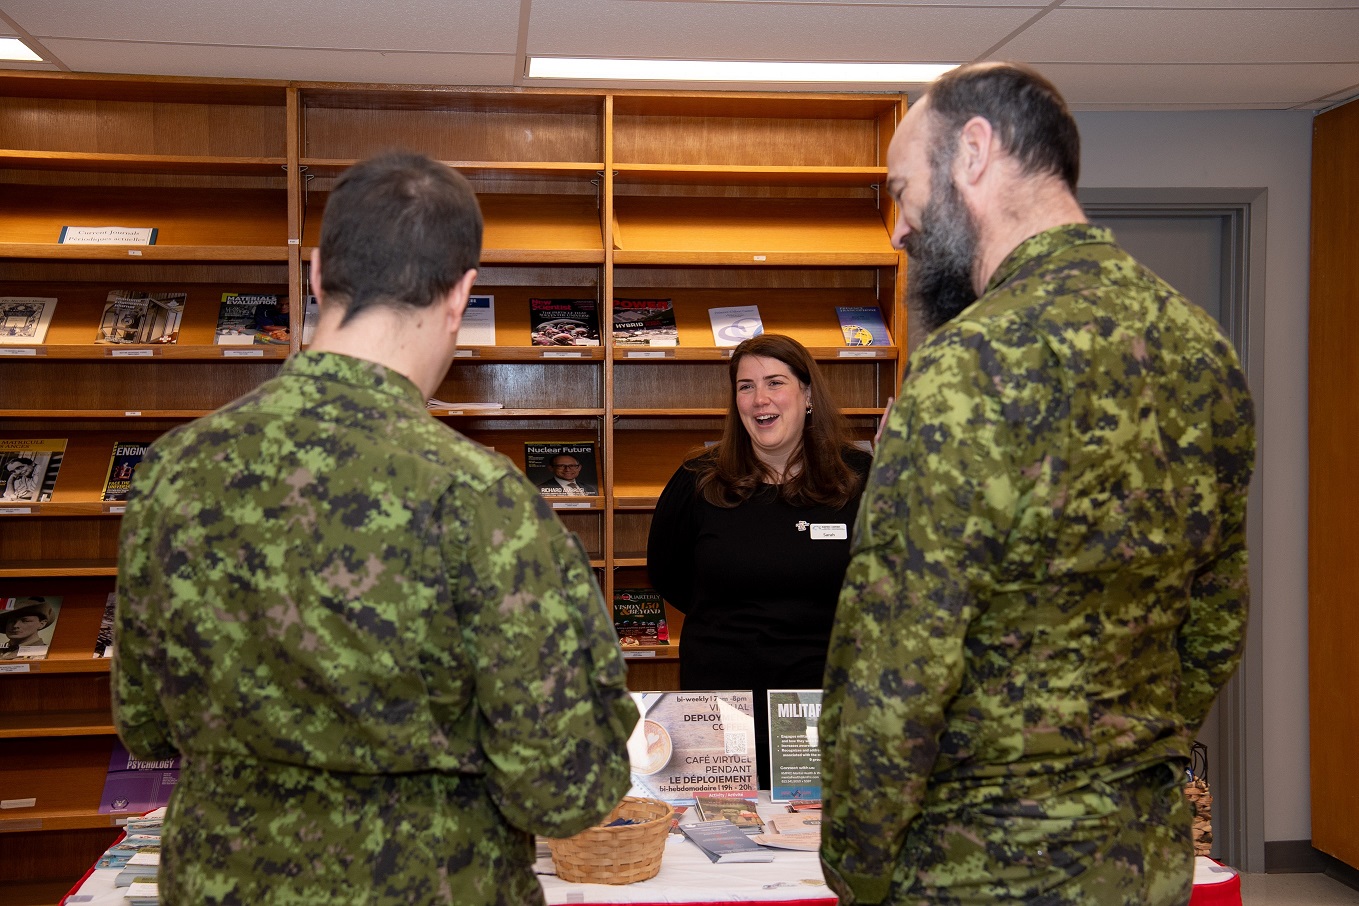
{"x": 829, "y": 531}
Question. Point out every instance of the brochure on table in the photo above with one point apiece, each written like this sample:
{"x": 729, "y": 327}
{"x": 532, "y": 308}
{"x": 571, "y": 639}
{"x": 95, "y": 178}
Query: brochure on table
{"x": 691, "y": 742}
{"x": 794, "y": 747}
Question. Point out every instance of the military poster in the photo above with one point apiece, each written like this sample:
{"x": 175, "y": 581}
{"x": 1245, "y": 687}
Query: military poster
{"x": 794, "y": 747}
{"x": 693, "y": 742}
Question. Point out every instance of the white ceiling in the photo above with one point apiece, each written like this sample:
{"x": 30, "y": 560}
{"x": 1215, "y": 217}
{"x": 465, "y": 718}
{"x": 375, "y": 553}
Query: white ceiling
{"x": 1102, "y": 54}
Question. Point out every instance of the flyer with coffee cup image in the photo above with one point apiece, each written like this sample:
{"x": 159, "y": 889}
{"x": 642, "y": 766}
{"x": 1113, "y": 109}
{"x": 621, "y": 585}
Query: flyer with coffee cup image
{"x": 692, "y": 742}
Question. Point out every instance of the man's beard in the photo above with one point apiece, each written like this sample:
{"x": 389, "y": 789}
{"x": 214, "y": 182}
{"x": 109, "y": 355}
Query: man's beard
{"x": 942, "y": 251}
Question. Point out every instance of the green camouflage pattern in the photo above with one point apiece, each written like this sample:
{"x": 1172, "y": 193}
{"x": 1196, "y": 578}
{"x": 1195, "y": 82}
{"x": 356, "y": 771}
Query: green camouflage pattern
{"x": 1048, "y": 586}
{"x": 384, "y": 660}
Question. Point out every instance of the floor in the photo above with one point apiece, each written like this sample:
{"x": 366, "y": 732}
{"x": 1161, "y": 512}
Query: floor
{"x": 1295, "y": 890}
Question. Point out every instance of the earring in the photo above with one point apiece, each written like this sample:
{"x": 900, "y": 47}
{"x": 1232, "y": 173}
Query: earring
{"x": 809, "y": 408}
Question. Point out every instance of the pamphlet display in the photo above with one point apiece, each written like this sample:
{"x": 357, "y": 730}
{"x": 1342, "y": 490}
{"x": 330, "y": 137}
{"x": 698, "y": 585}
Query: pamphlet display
{"x": 28, "y": 469}
{"x": 103, "y": 643}
{"x": 252, "y": 319}
{"x": 24, "y": 319}
{"x": 691, "y": 743}
{"x": 734, "y": 325}
{"x": 478, "y": 322}
{"x": 644, "y": 322}
{"x": 27, "y": 626}
{"x": 131, "y": 316}
{"x": 564, "y": 322}
{"x": 543, "y": 464}
{"x": 639, "y": 617}
{"x": 122, "y": 466}
{"x": 794, "y": 746}
{"x": 863, "y": 325}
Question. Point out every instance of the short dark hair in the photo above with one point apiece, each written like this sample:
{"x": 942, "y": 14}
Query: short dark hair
{"x": 1025, "y": 110}
{"x": 399, "y": 229}
{"x": 730, "y": 473}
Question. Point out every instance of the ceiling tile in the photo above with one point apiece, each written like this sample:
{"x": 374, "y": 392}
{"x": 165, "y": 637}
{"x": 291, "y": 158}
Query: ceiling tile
{"x": 767, "y": 31}
{"x": 274, "y": 63}
{"x": 1189, "y": 36}
{"x": 1117, "y": 86}
{"x": 468, "y": 26}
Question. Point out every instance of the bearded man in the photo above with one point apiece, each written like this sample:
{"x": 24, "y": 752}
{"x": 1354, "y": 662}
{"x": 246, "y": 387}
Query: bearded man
{"x": 1048, "y": 583}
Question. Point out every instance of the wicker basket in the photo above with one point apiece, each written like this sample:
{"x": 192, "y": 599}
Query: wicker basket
{"x": 616, "y": 855}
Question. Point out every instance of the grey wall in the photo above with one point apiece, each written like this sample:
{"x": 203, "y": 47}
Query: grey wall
{"x": 1269, "y": 149}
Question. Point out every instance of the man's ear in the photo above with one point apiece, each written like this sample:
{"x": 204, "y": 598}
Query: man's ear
{"x": 316, "y": 273}
{"x": 976, "y": 151}
{"x": 455, "y": 303}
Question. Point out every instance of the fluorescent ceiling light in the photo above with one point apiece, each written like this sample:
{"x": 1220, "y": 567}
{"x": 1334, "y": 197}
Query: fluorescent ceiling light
{"x": 732, "y": 71}
{"x": 14, "y": 49}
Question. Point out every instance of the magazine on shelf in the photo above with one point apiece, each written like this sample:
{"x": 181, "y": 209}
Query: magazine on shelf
{"x": 103, "y": 642}
{"x": 562, "y": 469}
{"x": 478, "y": 322}
{"x": 137, "y": 786}
{"x": 28, "y": 469}
{"x": 644, "y": 322}
{"x": 734, "y": 325}
{"x": 24, "y": 319}
{"x": 723, "y": 841}
{"x": 639, "y": 617}
{"x": 122, "y": 466}
{"x": 252, "y": 319}
{"x": 862, "y": 325}
{"x": 27, "y": 625}
{"x": 132, "y": 316}
{"x": 693, "y": 743}
{"x": 564, "y": 322}
{"x": 311, "y": 313}
{"x": 794, "y": 746}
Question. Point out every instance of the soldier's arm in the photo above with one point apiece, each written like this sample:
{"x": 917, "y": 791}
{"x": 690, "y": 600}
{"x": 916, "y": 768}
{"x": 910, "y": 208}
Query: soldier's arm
{"x": 551, "y": 682}
{"x": 138, "y": 649}
{"x": 1213, "y": 636}
{"x": 933, "y": 521}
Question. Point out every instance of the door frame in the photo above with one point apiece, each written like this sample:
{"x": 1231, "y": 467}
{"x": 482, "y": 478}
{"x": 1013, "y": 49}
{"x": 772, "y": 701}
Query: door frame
{"x": 1238, "y": 792}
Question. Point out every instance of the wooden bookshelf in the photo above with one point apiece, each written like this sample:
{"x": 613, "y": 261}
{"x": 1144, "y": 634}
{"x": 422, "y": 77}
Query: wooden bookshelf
{"x": 709, "y": 199}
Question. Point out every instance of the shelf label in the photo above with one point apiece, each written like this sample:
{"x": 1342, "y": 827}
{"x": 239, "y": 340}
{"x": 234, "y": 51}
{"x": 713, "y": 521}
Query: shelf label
{"x": 108, "y": 235}
{"x": 132, "y": 353}
{"x": 242, "y": 353}
{"x": 18, "y": 803}
{"x": 570, "y": 504}
{"x": 116, "y": 508}
{"x": 632, "y": 654}
{"x": 761, "y": 258}
{"x": 563, "y": 355}
{"x": 858, "y": 354}
{"x": 20, "y": 350}
{"x": 647, "y": 354}
{"x": 467, "y": 354}
{"x": 15, "y": 510}
{"x": 14, "y": 668}
{"x": 132, "y": 413}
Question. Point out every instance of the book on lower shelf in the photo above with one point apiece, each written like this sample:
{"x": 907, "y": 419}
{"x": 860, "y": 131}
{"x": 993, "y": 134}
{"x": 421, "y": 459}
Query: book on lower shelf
{"x": 252, "y": 319}
{"x": 862, "y": 325}
{"x": 722, "y": 841}
{"x": 478, "y": 322}
{"x": 27, "y": 625}
{"x": 644, "y": 322}
{"x": 122, "y": 467}
{"x": 735, "y": 324}
{"x": 639, "y": 617}
{"x": 29, "y": 468}
{"x": 563, "y": 322}
{"x": 133, "y": 316}
{"x": 137, "y": 786}
{"x": 562, "y": 469}
{"x": 103, "y": 642}
{"x": 24, "y": 319}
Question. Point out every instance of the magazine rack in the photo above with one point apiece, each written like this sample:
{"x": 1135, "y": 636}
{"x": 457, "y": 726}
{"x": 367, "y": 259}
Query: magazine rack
{"x": 707, "y": 199}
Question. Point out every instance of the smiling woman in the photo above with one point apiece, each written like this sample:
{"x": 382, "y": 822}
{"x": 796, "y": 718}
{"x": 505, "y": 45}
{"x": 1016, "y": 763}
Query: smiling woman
{"x": 751, "y": 538}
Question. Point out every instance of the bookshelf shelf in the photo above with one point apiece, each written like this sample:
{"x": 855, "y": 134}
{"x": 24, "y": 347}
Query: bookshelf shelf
{"x": 709, "y": 199}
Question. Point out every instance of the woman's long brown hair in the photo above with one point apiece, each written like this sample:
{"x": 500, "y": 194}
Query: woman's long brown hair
{"x": 730, "y": 473}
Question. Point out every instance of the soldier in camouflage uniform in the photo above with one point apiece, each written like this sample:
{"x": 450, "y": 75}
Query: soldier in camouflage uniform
{"x": 1048, "y": 580}
{"x": 384, "y": 660}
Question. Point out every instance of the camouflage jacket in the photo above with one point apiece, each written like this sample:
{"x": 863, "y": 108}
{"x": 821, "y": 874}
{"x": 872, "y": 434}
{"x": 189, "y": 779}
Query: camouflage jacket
{"x": 1048, "y": 581}
{"x": 385, "y": 661}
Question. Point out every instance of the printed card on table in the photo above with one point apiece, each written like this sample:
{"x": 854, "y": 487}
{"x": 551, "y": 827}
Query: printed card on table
{"x": 693, "y": 742}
